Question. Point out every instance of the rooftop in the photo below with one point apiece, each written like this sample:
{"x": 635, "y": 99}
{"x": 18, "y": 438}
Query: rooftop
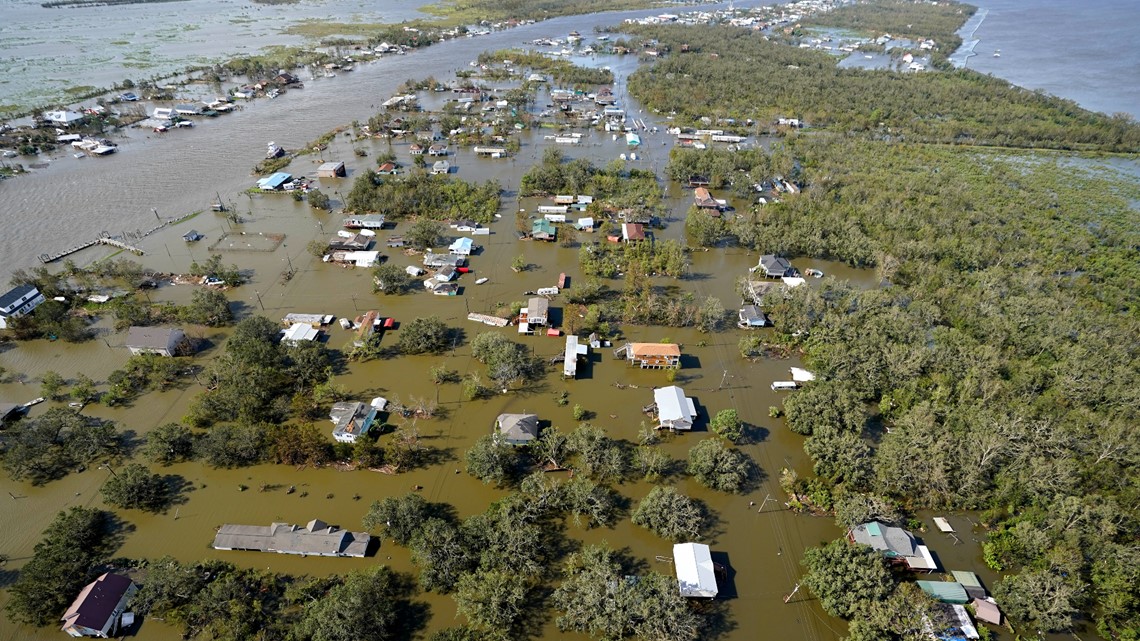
{"x": 639, "y": 350}
{"x": 316, "y": 538}
{"x": 151, "y": 337}
{"x": 96, "y": 602}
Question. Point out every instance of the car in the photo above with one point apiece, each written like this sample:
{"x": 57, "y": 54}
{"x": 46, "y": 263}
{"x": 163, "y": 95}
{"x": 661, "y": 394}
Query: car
{"x": 129, "y": 97}
{"x": 183, "y": 123}
{"x": 214, "y": 282}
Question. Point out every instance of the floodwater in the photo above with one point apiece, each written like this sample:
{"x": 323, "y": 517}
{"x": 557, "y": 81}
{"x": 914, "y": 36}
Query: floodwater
{"x": 759, "y": 540}
{"x": 47, "y": 51}
{"x": 762, "y": 547}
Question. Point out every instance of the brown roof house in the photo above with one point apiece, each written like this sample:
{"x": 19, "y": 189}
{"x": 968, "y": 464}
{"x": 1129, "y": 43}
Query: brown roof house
{"x": 96, "y": 611}
{"x": 651, "y": 355}
{"x": 164, "y": 341}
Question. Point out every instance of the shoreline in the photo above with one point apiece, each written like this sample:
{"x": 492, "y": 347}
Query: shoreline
{"x": 968, "y": 42}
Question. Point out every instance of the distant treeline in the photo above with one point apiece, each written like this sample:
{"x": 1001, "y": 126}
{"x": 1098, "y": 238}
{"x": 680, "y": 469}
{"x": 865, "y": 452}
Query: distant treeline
{"x": 735, "y": 73}
{"x": 56, "y": 4}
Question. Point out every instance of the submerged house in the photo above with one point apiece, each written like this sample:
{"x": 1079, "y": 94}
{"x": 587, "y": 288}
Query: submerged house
{"x": 99, "y": 606}
{"x": 164, "y": 341}
{"x": 632, "y": 232}
{"x": 675, "y": 411}
{"x": 436, "y": 261}
{"x": 352, "y": 419}
{"x": 751, "y": 316}
{"x": 543, "y": 229}
{"x": 355, "y": 242}
{"x": 895, "y": 543}
{"x": 696, "y": 573}
{"x": 517, "y": 429}
{"x": 317, "y": 538}
{"x": 462, "y": 247}
{"x": 331, "y": 170}
{"x": 275, "y": 181}
{"x": 574, "y": 350}
{"x": 299, "y": 333}
{"x": 773, "y": 266}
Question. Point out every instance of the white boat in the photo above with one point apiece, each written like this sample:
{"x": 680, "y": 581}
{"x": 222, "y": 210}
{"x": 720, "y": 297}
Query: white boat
{"x": 80, "y": 155}
{"x": 480, "y": 281}
{"x": 366, "y": 232}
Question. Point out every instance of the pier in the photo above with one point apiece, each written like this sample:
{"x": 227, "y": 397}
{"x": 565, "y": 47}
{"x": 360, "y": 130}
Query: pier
{"x": 102, "y": 240}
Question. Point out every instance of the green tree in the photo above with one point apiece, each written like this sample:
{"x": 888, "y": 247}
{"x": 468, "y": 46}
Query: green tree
{"x": 424, "y": 234}
{"x": 492, "y": 601}
{"x": 233, "y": 445}
{"x": 490, "y": 460}
{"x": 208, "y": 307}
{"x": 443, "y": 552}
{"x": 425, "y": 335}
{"x": 402, "y": 516}
{"x": 719, "y": 467}
{"x": 846, "y": 576}
{"x": 83, "y": 391}
{"x": 368, "y": 605}
{"x": 506, "y": 360}
{"x": 51, "y": 384}
{"x": 727, "y": 423}
{"x": 1041, "y": 598}
{"x": 598, "y": 456}
{"x": 69, "y": 550}
{"x": 47, "y": 447}
{"x": 711, "y": 315}
{"x": 134, "y": 487}
{"x": 595, "y": 598}
{"x": 671, "y": 515}
{"x": 319, "y": 200}
{"x": 391, "y": 279}
{"x": 169, "y": 443}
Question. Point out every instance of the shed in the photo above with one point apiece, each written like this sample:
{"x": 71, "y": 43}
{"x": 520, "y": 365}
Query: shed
{"x": 331, "y": 170}
{"x": 675, "y": 411}
{"x": 987, "y": 610}
{"x": 274, "y": 181}
{"x": 696, "y": 575}
{"x": 752, "y": 316}
{"x": 944, "y": 591}
{"x": 192, "y": 236}
{"x": 517, "y": 429}
{"x": 971, "y": 582}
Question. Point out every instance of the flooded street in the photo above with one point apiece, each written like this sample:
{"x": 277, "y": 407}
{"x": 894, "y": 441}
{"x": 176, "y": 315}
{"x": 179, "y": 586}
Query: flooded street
{"x": 755, "y": 536}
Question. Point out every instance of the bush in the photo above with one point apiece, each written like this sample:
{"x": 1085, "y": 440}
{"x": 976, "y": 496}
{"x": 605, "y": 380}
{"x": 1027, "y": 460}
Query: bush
{"x": 134, "y": 487}
{"x": 716, "y": 466}
{"x": 671, "y": 515}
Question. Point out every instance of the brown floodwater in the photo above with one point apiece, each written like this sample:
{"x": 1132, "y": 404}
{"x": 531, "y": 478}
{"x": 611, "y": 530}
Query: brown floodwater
{"x": 754, "y": 535}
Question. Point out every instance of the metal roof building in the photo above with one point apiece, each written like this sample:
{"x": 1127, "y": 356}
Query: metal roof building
{"x": 517, "y": 429}
{"x": 317, "y": 538}
{"x": 696, "y": 576}
{"x": 675, "y": 411}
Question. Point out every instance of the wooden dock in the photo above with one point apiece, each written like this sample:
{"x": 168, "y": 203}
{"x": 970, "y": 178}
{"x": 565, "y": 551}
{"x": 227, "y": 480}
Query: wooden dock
{"x": 102, "y": 240}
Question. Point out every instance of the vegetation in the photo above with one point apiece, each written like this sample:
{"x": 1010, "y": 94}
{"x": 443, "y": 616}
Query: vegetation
{"x": 491, "y": 460}
{"x": 134, "y": 487}
{"x": 719, "y": 467}
{"x": 596, "y": 598}
{"x": 169, "y": 443}
{"x": 47, "y": 447}
{"x": 759, "y": 79}
{"x": 562, "y": 71}
{"x": 418, "y": 194}
{"x": 727, "y": 423}
{"x": 614, "y": 186}
{"x": 70, "y": 548}
{"x": 258, "y": 380}
{"x": 476, "y": 11}
{"x": 507, "y": 361}
{"x": 392, "y": 279}
{"x": 902, "y": 19}
{"x": 427, "y": 335}
{"x": 671, "y": 515}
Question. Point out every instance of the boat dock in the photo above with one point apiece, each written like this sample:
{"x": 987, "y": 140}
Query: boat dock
{"x": 487, "y": 319}
{"x": 102, "y": 240}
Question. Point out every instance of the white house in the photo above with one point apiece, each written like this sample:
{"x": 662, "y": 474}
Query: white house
{"x": 164, "y": 341}
{"x": 299, "y": 332}
{"x": 462, "y": 247}
{"x": 63, "y": 117}
{"x": 18, "y": 301}
{"x": 675, "y": 411}
{"x": 352, "y": 420}
{"x": 96, "y": 611}
{"x": 696, "y": 574}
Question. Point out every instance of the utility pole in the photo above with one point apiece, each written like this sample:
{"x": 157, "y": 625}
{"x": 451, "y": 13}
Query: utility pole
{"x": 794, "y": 590}
{"x": 157, "y": 217}
{"x": 765, "y": 502}
{"x": 258, "y": 294}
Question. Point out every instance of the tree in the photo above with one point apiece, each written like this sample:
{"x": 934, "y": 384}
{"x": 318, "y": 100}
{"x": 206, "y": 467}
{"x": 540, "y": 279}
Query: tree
{"x": 443, "y": 552}
{"x": 367, "y": 605}
{"x": 319, "y": 200}
{"x": 728, "y": 424}
{"x": 846, "y": 576}
{"x": 46, "y": 447}
{"x": 506, "y": 360}
{"x": 51, "y": 384}
{"x": 716, "y": 466}
{"x": 424, "y": 336}
{"x": 402, "y": 517}
{"x": 490, "y": 460}
{"x": 711, "y": 315}
{"x": 583, "y": 497}
{"x": 83, "y": 391}
{"x": 491, "y": 600}
{"x": 391, "y": 279}
{"x": 598, "y": 456}
{"x": 69, "y": 549}
{"x": 671, "y": 515}
{"x": 208, "y": 307}
{"x": 1042, "y": 598}
{"x": 233, "y": 445}
{"x": 595, "y": 598}
{"x": 134, "y": 487}
{"x": 424, "y": 234}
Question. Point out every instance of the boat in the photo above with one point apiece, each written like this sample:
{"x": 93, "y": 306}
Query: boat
{"x": 274, "y": 151}
{"x": 80, "y": 155}
{"x": 480, "y": 281}
{"x": 814, "y": 273}
{"x": 632, "y": 139}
